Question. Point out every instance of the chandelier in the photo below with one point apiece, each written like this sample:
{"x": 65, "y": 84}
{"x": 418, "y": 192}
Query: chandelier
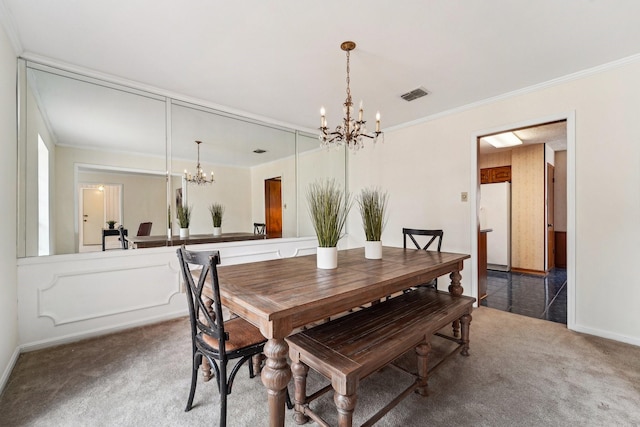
{"x": 200, "y": 177}
{"x": 351, "y": 132}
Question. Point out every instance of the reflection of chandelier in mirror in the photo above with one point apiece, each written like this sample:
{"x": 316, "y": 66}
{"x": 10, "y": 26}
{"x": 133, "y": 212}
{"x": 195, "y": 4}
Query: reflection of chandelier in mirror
{"x": 200, "y": 177}
{"x": 351, "y": 131}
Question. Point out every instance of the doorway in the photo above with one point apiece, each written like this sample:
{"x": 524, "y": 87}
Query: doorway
{"x": 273, "y": 206}
{"x": 97, "y": 204}
{"x": 92, "y": 216}
{"x": 534, "y": 287}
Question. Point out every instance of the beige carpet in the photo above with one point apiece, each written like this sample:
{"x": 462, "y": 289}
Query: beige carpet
{"x": 521, "y": 371}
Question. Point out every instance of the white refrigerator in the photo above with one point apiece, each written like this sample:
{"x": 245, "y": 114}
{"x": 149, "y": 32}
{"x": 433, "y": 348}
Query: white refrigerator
{"x": 495, "y": 214}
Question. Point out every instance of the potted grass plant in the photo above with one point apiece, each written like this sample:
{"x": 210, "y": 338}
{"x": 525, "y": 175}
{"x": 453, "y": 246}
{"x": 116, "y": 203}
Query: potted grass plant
{"x": 111, "y": 223}
{"x": 217, "y": 211}
{"x": 184, "y": 219}
{"x": 328, "y": 207}
{"x": 373, "y": 208}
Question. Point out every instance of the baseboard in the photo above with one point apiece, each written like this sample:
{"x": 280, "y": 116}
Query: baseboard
{"x": 606, "y": 334}
{"x": 65, "y": 339}
{"x": 526, "y": 271}
{"x": 498, "y": 267}
{"x": 7, "y": 372}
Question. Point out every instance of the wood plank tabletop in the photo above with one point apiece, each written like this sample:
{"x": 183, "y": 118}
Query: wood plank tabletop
{"x": 282, "y": 294}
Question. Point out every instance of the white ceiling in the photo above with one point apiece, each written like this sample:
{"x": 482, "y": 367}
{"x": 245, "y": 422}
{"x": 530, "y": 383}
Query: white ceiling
{"x": 553, "y": 134}
{"x": 281, "y": 59}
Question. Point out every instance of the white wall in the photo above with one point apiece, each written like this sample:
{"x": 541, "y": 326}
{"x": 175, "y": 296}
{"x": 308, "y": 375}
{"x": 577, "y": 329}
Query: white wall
{"x": 427, "y": 165}
{"x": 232, "y": 188}
{"x": 312, "y": 166}
{"x": 8, "y": 294}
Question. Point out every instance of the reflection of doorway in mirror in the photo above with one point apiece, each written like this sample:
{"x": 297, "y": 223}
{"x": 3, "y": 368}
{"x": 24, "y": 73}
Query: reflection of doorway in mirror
{"x": 92, "y": 215}
{"x": 98, "y": 204}
{"x": 273, "y": 206}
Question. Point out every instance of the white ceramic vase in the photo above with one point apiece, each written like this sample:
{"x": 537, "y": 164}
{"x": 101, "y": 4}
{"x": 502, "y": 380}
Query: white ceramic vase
{"x": 217, "y": 231}
{"x": 169, "y": 233}
{"x": 184, "y": 233}
{"x": 373, "y": 250}
{"x": 327, "y": 258}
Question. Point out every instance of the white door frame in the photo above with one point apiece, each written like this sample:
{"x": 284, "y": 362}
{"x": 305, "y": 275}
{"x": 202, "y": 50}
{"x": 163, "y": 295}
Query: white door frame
{"x": 570, "y": 117}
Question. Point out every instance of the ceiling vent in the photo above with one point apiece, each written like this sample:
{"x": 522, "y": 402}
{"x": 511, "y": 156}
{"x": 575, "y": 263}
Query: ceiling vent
{"x": 415, "y": 94}
{"x": 259, "y": 151}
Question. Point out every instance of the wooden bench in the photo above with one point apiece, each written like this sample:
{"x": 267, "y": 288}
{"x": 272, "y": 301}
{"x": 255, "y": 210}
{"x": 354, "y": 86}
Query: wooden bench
{"x": 350, "y": 348}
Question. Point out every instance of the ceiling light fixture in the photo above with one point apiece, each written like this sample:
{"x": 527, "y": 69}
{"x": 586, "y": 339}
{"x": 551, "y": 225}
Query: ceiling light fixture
{"x": 200, "y": 177}
{"x": 501, "y": 140}
{"x": 352, "y": 131}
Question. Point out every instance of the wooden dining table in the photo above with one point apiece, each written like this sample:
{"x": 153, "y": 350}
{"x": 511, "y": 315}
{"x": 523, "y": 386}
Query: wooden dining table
{"x": 139, "y": 242}
{"x": 280, "y": 295}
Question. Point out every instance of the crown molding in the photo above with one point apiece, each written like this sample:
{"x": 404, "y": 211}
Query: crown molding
{"x": 6, "y": 20}
{"x": 529, "y": 89}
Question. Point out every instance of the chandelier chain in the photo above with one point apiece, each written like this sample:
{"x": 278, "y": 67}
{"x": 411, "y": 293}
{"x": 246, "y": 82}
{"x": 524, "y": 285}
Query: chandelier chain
{"x": 348, "y": 79}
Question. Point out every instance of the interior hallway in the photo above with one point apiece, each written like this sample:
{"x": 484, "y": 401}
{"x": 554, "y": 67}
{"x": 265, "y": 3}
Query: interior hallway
{"x": 529, "y": 295}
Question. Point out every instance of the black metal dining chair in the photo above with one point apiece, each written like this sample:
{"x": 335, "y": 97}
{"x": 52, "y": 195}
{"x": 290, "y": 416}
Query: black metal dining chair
{"x": 124, "y": 243}
{"x": 212, "y": 337}
{"x": 259, "y": 228}
{"x": 432, "y": 235}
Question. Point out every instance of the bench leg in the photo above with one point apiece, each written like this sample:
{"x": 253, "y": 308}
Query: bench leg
{"x": 466, "y": 322}
{"x": 423, "y": 350}
{"x": 300, "y": 371}
{"x": 345, "y": 405}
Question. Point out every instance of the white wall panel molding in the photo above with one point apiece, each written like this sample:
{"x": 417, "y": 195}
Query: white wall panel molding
{"x": 77, "y": 296}
{"x": 65, "y": 298}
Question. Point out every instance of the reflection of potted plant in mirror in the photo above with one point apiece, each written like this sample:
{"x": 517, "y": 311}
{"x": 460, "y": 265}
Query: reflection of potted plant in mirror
{"x": 328, "y": 207}
{"x": 217, "y": 211}
{"x": 184, "y": 218}
{"x": 373, "y": 206}
{"x": 111, "y": 223}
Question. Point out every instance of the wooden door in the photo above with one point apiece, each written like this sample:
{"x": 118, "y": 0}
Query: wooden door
{"x": 273, "y": 206}
{"x": 92, "y": 216}
{"x": 551, "y": 235}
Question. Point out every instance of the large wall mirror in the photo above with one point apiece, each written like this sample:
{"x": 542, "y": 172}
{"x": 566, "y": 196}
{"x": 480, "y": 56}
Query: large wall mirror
{"x": 92, "y": 151}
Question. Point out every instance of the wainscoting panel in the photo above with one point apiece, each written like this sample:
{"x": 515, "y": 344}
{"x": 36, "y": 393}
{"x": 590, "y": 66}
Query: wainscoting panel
{"x": 64, "y": 298}
{"x": 115, "y": 295}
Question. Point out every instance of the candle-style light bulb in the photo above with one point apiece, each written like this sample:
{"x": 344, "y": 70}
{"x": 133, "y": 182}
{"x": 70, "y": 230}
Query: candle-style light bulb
{"x": 378, "y": 121}
{"x": 323, "y": 121}
{"x": 360, "y": 112}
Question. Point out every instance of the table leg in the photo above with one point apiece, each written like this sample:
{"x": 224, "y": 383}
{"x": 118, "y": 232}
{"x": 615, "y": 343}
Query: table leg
{"x": 456, "y": 289}
{"x": 275, "y": 376}
{"x": 103, "y": 249}
{"x": 345, "y": 406}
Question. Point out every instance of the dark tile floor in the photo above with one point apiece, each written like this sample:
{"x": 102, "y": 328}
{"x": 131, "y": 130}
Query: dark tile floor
{"x": 528, "y": 295}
